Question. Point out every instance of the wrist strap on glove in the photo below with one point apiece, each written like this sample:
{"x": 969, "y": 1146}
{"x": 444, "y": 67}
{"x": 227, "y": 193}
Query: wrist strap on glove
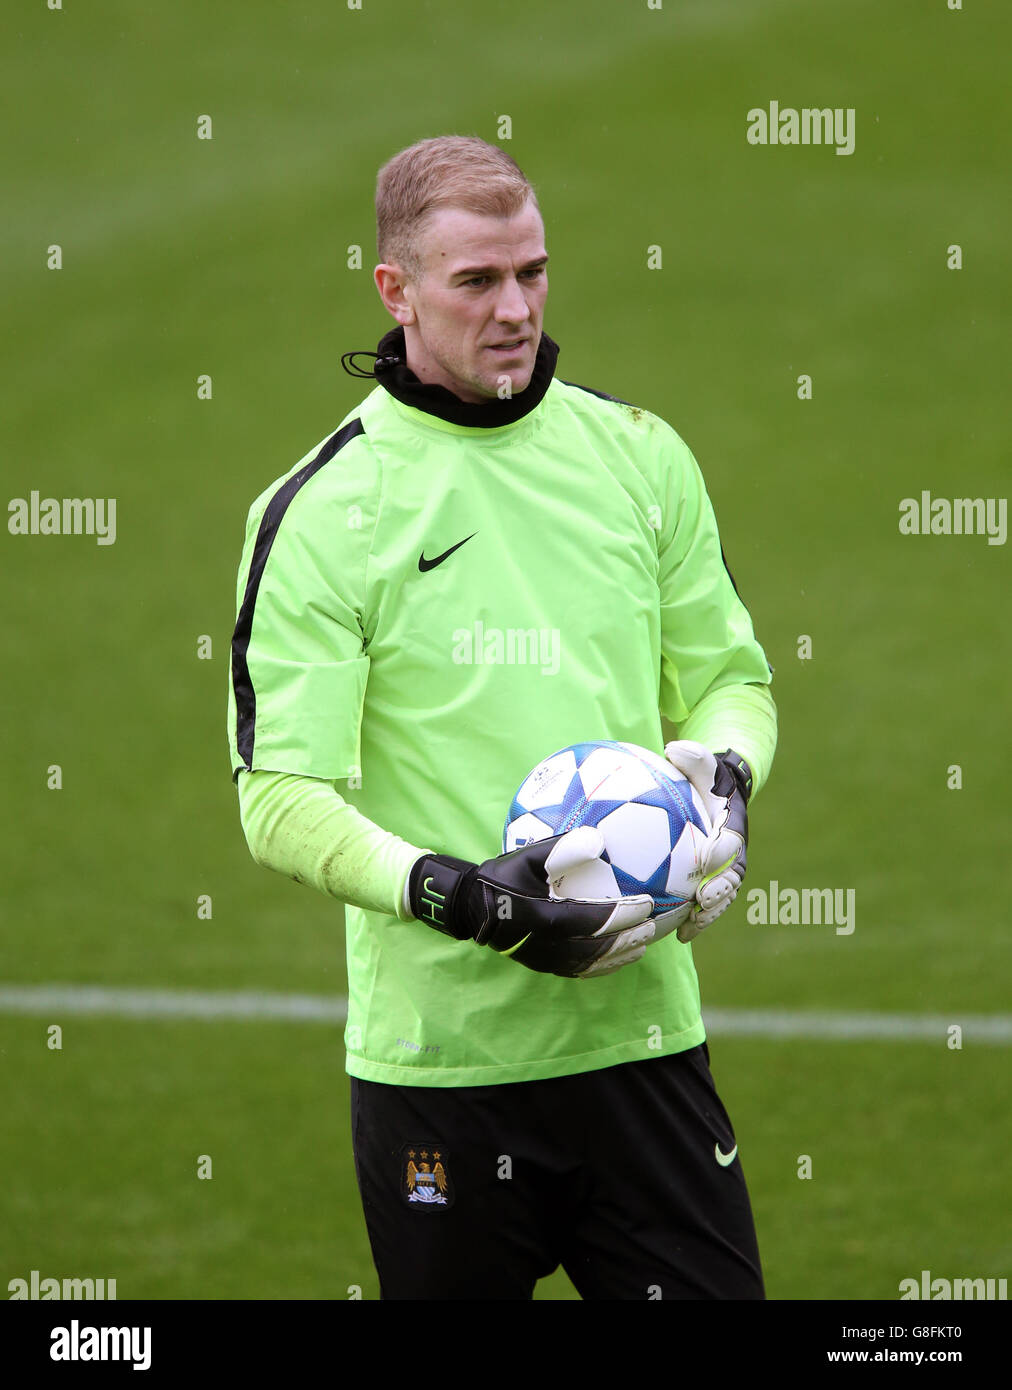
{"x": 438, "y": 888}
{"x": 739, "y": 770}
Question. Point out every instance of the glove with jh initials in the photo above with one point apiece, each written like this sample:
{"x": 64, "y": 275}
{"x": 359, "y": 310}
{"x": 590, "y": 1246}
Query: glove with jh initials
{"x": 509, "y": 904}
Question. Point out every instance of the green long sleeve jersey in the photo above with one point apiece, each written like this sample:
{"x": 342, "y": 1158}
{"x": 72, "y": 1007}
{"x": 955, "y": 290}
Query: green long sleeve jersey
{"x": 426, "y": 610}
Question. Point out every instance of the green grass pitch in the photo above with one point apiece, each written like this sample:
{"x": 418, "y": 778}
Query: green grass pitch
{"x": 229, "y": 257}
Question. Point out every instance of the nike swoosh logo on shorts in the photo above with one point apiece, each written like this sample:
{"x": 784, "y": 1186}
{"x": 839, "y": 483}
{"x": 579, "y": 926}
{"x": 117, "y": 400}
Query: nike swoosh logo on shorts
{"x": 424, "y": 564}
{"x": 725, "y": 1160}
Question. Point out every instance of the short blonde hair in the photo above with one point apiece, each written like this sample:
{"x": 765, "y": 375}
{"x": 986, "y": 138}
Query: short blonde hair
{"x": 458, "y": 171}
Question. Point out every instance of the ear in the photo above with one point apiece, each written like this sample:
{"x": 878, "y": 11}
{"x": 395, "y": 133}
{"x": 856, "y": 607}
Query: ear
{"x": 391, "y": 282}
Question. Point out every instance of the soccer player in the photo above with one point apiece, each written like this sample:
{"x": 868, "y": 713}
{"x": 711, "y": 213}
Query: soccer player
{"x": 481, "y": 565}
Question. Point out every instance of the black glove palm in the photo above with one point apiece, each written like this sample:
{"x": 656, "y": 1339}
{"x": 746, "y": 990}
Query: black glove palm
{"x": 505, "y": 903}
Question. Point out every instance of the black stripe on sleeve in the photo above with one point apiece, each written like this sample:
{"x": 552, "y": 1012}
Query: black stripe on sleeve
{"x": 242, "y": 685}
{"x": 730, "y": 576}
{"x": 601, "y": 395}
{"x": 734, "y": 586}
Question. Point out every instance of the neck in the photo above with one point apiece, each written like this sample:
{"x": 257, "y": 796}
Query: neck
{"x": 395, "y": 372}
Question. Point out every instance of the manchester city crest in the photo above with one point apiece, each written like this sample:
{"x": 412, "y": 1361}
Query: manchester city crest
{"x": 425, "y": 1176}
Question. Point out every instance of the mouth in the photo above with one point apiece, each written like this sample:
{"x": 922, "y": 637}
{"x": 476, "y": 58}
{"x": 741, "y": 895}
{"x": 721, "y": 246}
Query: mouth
{"x": 512, "y": 346}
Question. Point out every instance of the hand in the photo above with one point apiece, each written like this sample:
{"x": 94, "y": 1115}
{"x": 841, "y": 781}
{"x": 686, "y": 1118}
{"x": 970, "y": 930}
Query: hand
{"x": 724, "y": 783}
{"x": 510, "y": 904}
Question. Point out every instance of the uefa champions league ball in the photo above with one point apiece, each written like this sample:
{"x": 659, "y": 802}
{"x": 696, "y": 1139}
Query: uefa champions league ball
{"x": 652, "y": 821}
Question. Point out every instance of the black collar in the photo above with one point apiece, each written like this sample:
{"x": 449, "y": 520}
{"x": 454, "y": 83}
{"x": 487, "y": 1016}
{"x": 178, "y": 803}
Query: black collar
{"x": 391, "y": 370}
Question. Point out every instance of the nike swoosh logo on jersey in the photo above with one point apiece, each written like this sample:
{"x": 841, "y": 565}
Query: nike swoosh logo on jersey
{"x": 424, "y": 564}
{"x": 725, "y": 1160}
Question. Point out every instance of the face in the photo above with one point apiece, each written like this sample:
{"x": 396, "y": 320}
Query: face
{"x": 474, "y": 316}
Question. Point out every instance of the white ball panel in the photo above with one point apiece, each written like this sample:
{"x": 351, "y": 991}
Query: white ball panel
{"x": 610, "y": 774}
{"x": 526, "y": 829}
{"x": 653, "y": 760}
{"x": 637, "y": 838}
{"x": 546, "y": 785}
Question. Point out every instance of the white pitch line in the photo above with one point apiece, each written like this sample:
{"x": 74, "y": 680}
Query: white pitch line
{"x": 995, "y": 1029}
{"x": 856, "y": 1027}
{"x": 169, "y": 1003}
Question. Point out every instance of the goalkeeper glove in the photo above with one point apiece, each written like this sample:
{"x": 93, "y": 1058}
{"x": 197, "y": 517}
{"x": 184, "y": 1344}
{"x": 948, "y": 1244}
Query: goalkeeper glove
{"x": 508, "y": 903}
{"x": 724, "y": 783}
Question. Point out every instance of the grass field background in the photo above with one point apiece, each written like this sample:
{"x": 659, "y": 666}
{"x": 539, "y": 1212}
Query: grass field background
{"x": 228, "y": 257}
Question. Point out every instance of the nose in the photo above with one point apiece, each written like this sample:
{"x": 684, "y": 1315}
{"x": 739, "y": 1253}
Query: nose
{"x": 511, "y": 304}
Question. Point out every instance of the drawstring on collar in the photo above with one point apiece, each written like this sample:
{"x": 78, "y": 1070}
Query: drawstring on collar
{"x": 382, "y": 363}
{"x": 390, "y": 369}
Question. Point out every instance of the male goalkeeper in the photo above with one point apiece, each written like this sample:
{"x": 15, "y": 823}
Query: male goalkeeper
{"x": 481, "y": 565}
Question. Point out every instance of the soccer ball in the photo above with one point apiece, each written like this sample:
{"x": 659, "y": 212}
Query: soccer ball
{"x": 652, "y": 820}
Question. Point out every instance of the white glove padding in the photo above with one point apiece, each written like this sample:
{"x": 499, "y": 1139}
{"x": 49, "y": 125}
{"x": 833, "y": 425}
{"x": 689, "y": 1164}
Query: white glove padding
{"x": 575, "y": 871}
{"x": 724, "y": 782}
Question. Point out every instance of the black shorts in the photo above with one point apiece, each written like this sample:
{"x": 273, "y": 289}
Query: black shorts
{"x": 626, "y": 1177}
